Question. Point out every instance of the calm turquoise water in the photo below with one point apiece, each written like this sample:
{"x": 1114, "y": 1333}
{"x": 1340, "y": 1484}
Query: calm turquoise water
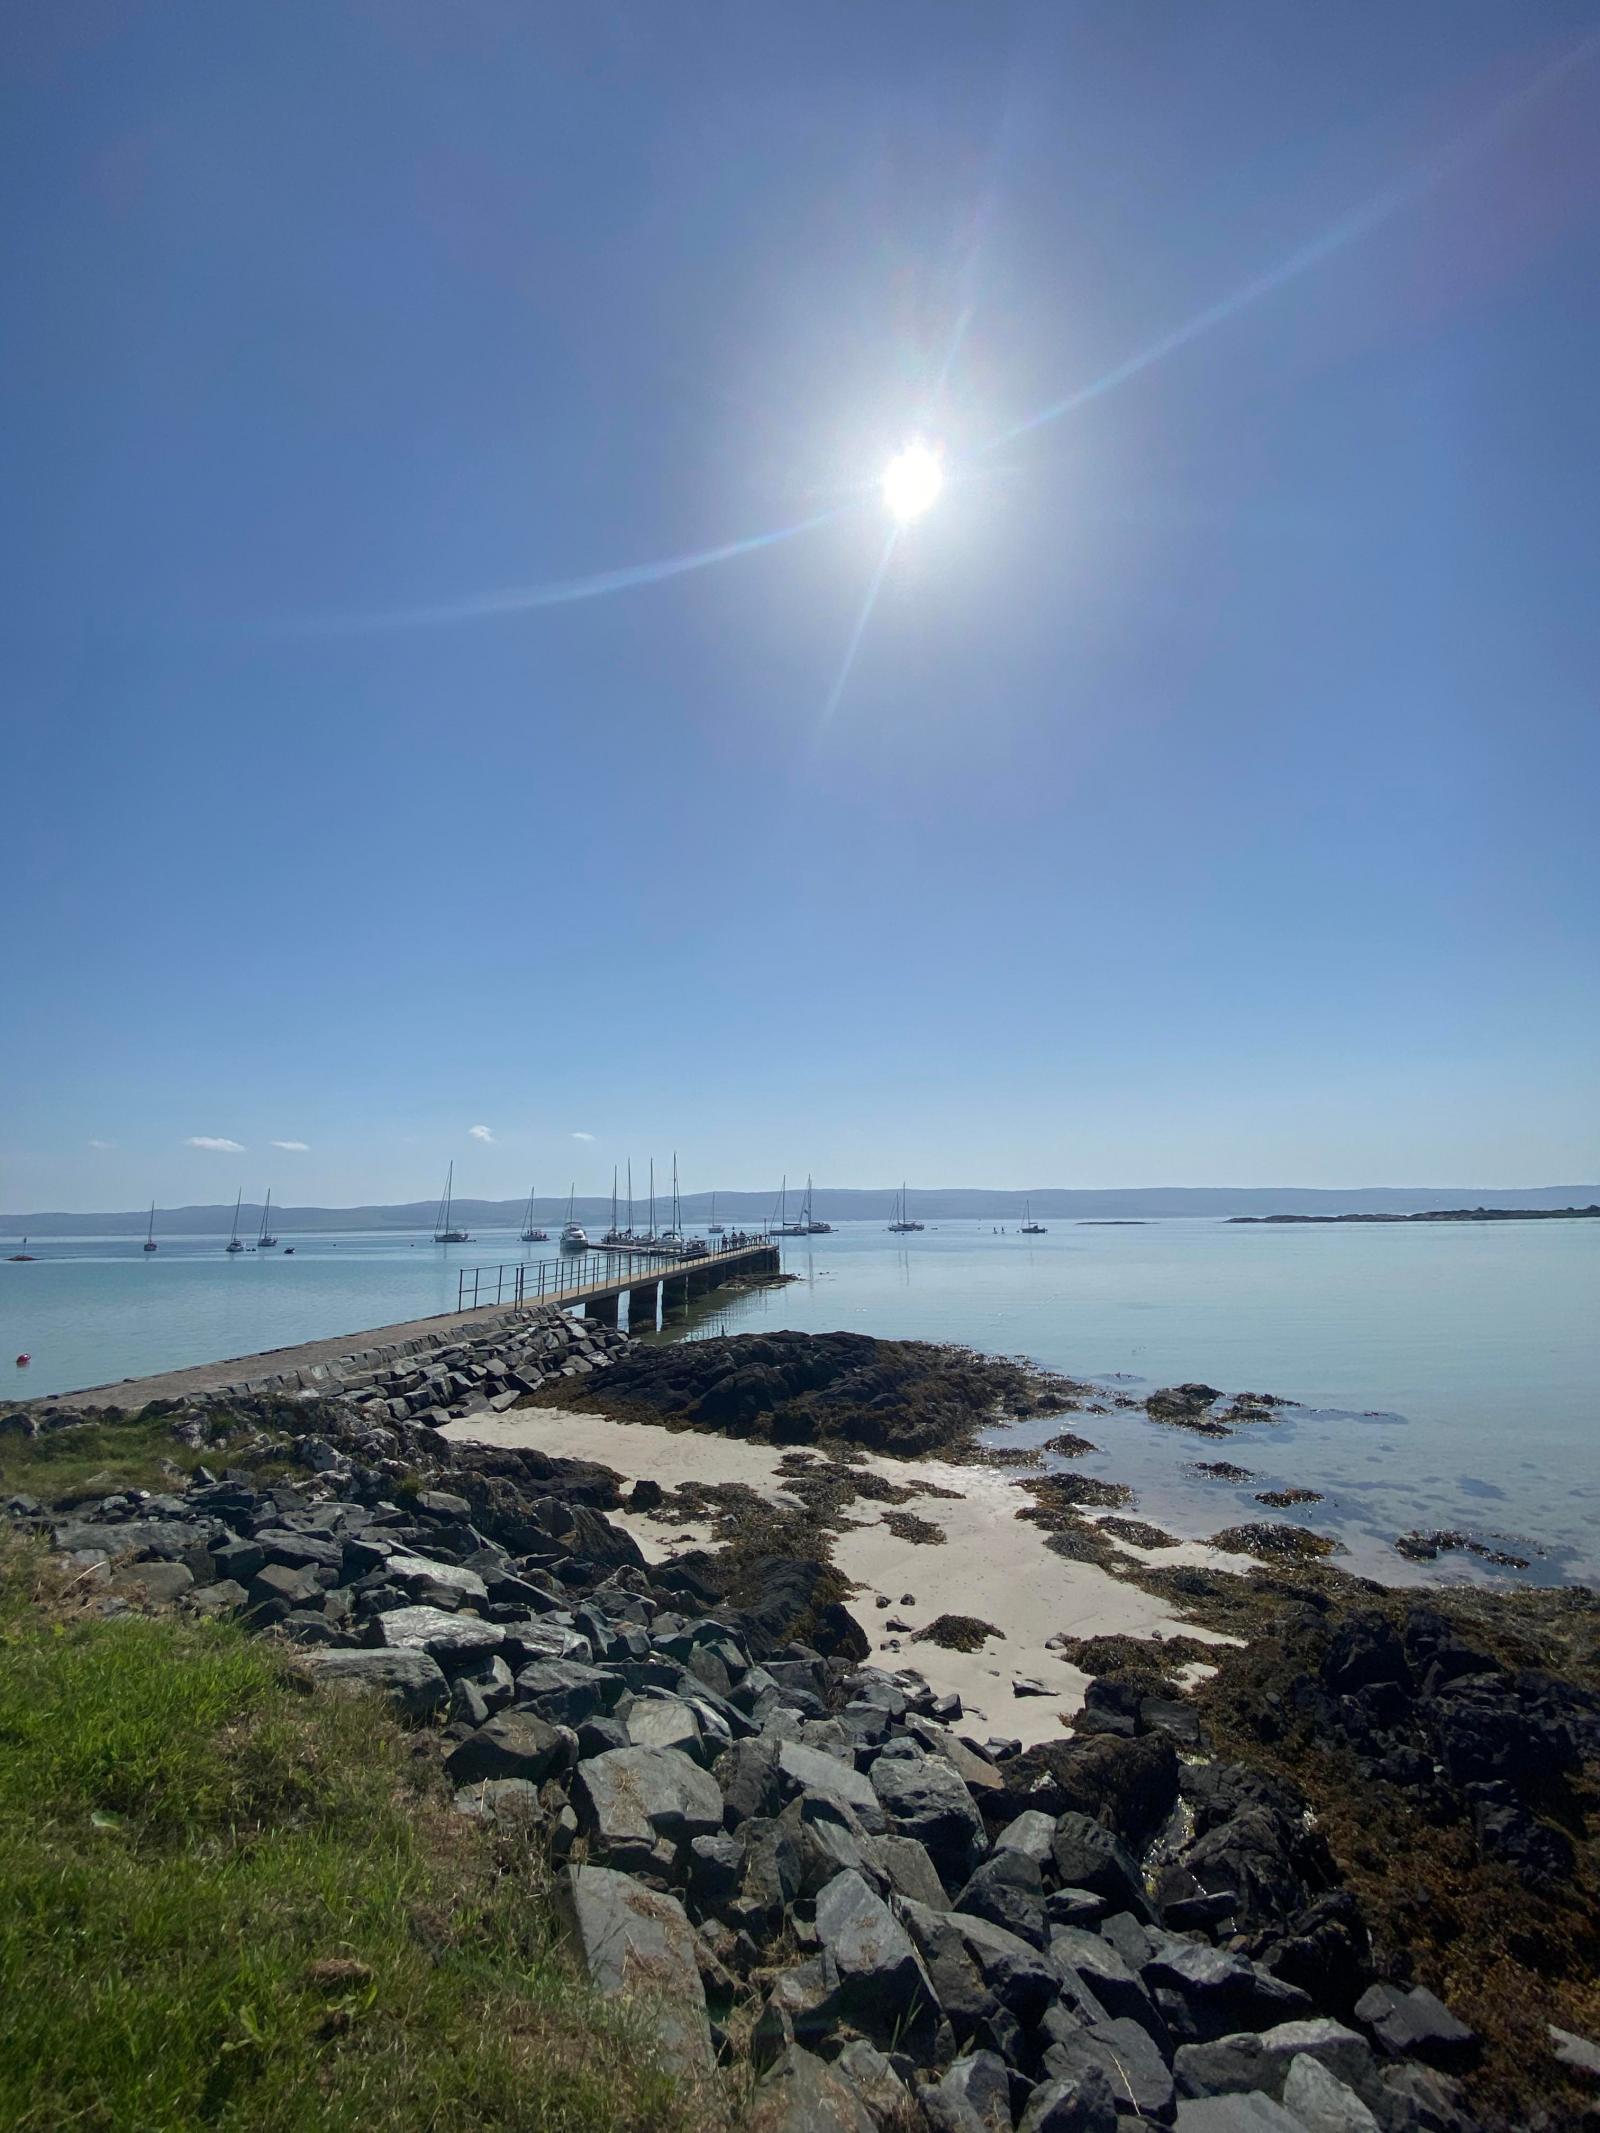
{"x": 1447, "y": 1374}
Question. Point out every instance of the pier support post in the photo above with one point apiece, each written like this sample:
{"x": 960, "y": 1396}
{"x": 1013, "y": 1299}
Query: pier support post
{"x": 642, "y": 1308}
{"x": 602, "y": 1310}
{"x": 674, "y": 1296}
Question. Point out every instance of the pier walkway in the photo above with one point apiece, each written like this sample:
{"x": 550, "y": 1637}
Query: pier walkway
{"x": 600, "y": 1277}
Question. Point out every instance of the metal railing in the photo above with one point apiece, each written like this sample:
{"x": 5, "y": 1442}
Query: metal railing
{"x": 534, "y": 1281}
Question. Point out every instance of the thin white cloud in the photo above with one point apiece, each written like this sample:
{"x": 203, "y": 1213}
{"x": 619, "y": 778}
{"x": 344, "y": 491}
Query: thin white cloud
{"x": 215, "y": 1143}
{"x": 93, "y": 1143}
{"x": 583, "y": 1136}
{"x": 480, "y": 1133}
{"x": 293, "y": 1147}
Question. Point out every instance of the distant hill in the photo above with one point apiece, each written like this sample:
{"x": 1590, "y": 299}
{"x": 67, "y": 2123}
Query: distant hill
{"x": 835, "y": 1204}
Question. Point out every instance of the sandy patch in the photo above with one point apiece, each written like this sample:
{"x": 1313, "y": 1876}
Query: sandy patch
{"x": 991, "y": 1564}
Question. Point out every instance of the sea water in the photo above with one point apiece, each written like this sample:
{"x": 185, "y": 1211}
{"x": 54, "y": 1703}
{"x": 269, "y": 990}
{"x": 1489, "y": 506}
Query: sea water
{"x": 1445, "y": 1374}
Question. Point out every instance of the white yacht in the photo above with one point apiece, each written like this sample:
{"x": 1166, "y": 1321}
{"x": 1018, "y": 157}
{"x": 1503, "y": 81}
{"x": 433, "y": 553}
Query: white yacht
{"x": 574, "y": 1237}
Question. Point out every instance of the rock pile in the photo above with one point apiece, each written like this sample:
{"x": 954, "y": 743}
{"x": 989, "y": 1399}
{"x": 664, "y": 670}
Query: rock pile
{"x": 781, "y": 1850}
{"x": 436, "y": 1377}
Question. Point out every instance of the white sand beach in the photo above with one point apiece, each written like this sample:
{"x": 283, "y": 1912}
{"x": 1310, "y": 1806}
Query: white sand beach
{"x": 991, "y": 1564}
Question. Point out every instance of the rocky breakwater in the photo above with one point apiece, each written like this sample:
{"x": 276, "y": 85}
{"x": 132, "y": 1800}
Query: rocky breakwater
{"x": 792, "y": 1861}
{"x": 477, "y": 1366}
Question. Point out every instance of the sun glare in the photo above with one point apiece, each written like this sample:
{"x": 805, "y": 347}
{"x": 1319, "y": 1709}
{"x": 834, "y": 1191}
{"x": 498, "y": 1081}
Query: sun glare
{"x": 911, "y": 483}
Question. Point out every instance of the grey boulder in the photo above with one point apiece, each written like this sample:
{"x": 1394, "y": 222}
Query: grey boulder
{"x": 637, "y": 1945}
{"x": 883, "y": 1987}
{"x": 1081, "y": 2104}
{"x": 973, "y": 2097}
{"x": 630, "y": 1800}
{"x": 927, "y": 1799}
{"x": 409, "y": 1680}
{"x": 1323, "y": 2103}
{"x": 514, "y": 1745}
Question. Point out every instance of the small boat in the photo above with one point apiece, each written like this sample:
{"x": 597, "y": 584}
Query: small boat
{"x": 266, "y": 1243}
{"x": 714, "y": 1228}
{"x": 1030, "y": 1228}
{"x": 531, "y": 1232}
{"x": 288, "y": 1251}
{"x": 442, "y": 1232}
{"x": 574, "y": 1237}
{"x": 233, "y": 1244}
{"x": 150, "y": 1244}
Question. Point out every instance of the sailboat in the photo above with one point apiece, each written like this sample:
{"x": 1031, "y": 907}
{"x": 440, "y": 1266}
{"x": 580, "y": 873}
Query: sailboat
{"x": 266, "y": 1243}
{"x": 150, "y": 1244}
{"x": 786, "y": 1228}
{"x": 812, "y": 1227}
{"x": 902, "y": 1223}
{"x": 713, "y": 1228}
{"x": 233, "y": 1244}
{"x": 1030, "y": 1228}
{"x": 614, "y": 1237}
{"x": 531, "y": 1232}
{"x": 673, "y": 1237}
{"x": 442, "y": 1232}
{"x": 574, "y": 1238}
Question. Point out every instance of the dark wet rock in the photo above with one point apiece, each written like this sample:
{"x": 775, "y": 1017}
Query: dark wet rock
{"x": 958, "y": 1633}
{"x": 637, "y": 1943}
{"x": 1133, "y": 1782}
{"x": 927, "y": 1799}
{"x": 1274, "y": 1543}
{"x": 1187, "y": 1407}
{"x": 1416, "y": 2025}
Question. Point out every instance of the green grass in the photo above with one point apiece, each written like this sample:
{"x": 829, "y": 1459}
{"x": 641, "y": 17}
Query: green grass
{"x": 187, "y": 1834}
{"x": 104, "y": 1458}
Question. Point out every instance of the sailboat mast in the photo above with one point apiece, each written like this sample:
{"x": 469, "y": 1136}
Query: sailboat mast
{"x": 238, "y": 1203}
{"x": 652, "y": 1198}
{"x": 630, "y": 1196}
{"x": 613, "y": 1199}
{"x": 150, "y": 1232}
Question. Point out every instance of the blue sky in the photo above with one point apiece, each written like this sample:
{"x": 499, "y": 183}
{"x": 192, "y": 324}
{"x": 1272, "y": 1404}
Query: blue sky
{"x": 1210, "y": 799}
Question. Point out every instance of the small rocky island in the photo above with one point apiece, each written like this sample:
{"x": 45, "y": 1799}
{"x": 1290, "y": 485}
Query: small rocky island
{"x": 1444, "y": 1214}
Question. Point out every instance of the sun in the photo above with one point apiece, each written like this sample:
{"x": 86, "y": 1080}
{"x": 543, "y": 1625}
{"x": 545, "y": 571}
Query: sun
{"x": 911, "y": 482}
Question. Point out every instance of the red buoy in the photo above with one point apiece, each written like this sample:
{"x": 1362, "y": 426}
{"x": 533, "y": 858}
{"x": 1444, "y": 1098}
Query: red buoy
{"x": 23, "y": 1361}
